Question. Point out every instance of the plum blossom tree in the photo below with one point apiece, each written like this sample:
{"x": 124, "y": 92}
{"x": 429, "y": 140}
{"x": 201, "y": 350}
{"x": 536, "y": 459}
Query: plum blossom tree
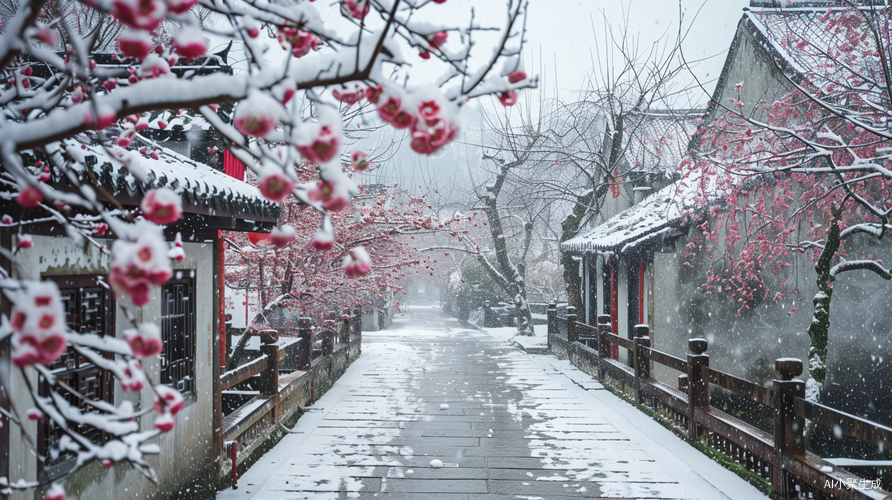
{"x": 290, "y": 97}
{"x": 805, "y": 176}
{"x": 338, "y": 260}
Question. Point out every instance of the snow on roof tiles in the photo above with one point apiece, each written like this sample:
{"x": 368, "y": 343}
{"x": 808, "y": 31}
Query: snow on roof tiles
{"x": 654, "y": 214}
{"x": 203, "y": 189}
{"x": 660, "y": 139}
{"x": 806, "y": 39}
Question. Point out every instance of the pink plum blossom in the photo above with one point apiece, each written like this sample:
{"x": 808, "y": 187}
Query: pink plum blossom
{"x": 300, "y": 42}
{"x": 106, "y": 119}
{"x": 176, "y": 252}
{"x": 517, "y": 76}
{"x": 359, "y": 160}
{"x": 347, "y": 96}
{"x": 393, "y": 113}
{"x": 438, "y": 124}
{"x": 24, "y": 241}
{"x": 144, "y": 340}
{"x": 508, "y": 98}
{"x": 356, "y": 263}
{"x": 29, "y": 197}
{"x": 153, "y": 66}
{"x": 38, "y": 325}
{"x": 323, "y": 148}
{"x": 140, "y": 264}
{"x": 47, "y": 35}
{"x": 189, "y": 43}
{"x": 165, "y": 422}
{"x": 133, "y": 376}
{"x": 161, "y": 206}
{"x": 275, "y": 185}
{"x": 282, "y": 236}
{"x": 331, "y": 198}
{"x": 56, "y": 492}
{"x": 34, "y": 414}
{"x": 358, "y": 9}
{"x": 168, "y": 400}
{"x": 135, "y": 43}
{"x": 257, "y": 115}
{"x": 324, "y": 238}
{"x": 140, "y": 14}
{"x": 438, "y": 39}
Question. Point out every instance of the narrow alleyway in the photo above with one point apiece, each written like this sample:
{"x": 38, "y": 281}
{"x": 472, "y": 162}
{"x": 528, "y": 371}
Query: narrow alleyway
{"x": 503, "y": 423}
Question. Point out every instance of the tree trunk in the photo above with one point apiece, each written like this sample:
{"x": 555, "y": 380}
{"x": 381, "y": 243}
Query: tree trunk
{"x": 819, "y": 329}
{"x": 572, "y": 281}
{"x": 506, "y": 273}
{"x": 570, "y": 227}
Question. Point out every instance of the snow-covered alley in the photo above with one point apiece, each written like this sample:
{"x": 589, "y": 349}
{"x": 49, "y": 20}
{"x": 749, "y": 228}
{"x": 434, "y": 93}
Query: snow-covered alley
{"x": 435, "y": 411}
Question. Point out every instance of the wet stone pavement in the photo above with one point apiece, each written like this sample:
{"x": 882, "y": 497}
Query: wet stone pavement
{"x": 503, "y": 423}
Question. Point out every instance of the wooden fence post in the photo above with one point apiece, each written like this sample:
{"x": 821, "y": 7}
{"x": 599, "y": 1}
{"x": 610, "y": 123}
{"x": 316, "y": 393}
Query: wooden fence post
{"x": 698, "y": 386}
{"x": 269, "y": 378}
{"x": 552, "y": 322}
{"x": 642, "y": 362}
{"x": 572, "y": 332}
{"x": 789, "y": 428}
{"x": 328, "y": 343}
{"x": 603, "y": 344}
{"x": 356, "y": 322}
{"x": 344, "y": 330}
{"x": 306, "y": 343}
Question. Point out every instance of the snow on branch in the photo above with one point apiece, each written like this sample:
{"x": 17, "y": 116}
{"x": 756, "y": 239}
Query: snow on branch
{"x": 857, "y": 265}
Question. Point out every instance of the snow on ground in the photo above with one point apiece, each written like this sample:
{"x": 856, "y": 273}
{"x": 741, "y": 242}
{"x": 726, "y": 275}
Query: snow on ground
{"x": 499, "y": 423}
{"x": 624, "y": 451}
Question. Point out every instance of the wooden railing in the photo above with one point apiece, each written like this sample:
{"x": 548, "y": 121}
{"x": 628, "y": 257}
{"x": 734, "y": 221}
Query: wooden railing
{"x": 257, "y": 396}
{"x": 779, "y": 457}
{"x": 230, "y": 379}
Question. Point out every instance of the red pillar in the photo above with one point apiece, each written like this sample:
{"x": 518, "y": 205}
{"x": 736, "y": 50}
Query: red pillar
{"x": 614, "y": 307}
{"x": 221, "y": 282}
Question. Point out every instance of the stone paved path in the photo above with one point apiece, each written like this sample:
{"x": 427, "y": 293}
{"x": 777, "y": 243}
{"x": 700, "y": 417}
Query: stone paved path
{"x": 504, "y": 424}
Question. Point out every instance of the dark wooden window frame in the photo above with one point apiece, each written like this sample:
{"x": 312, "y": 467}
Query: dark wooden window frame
{"x": 77, "y": 370}
{"x": 178, "y": 331}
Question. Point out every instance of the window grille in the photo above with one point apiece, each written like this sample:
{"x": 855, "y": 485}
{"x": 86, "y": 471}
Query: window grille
{"x": 89, "y": 309}
{"x": 178, "y": 333}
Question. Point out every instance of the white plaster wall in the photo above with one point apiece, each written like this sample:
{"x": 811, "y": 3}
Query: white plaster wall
{"x": 584, "y": 265}
{"x": 600, "y": 285}
{"x": 622, "y": 295}
{"x": 187, "y": 448}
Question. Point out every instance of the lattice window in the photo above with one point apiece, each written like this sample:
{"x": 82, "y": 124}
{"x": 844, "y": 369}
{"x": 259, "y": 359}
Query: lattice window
{"x": 178, "y": 333}
{"x": 89, "y": 309}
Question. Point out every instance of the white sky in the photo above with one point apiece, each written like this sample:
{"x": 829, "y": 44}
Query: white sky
{"x": 561, "y": 31}
{"x": 560, "y": 38}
